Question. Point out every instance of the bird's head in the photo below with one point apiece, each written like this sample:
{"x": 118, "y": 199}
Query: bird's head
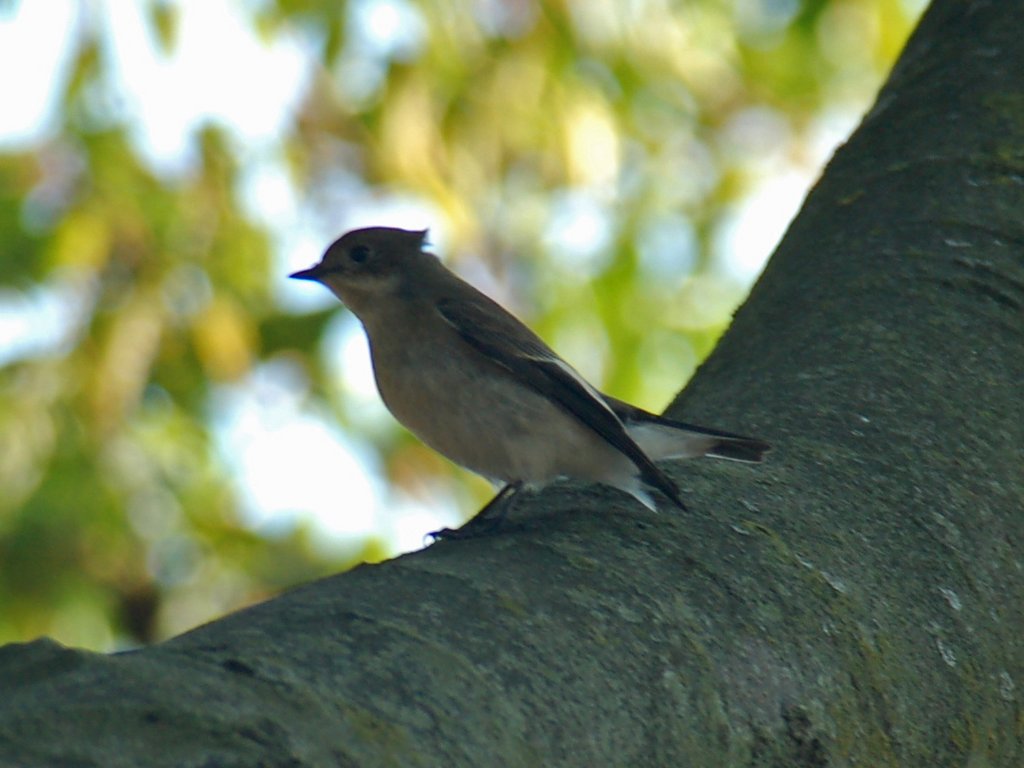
{"x": 367, "y": 264}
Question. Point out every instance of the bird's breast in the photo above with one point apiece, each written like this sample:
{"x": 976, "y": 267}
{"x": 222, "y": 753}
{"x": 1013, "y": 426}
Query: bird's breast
{"x": 475, "y": 413}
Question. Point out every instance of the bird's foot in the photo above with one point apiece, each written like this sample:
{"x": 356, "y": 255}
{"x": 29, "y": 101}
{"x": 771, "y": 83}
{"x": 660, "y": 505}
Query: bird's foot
{"x": 485, "y": 522}
{"x": 460, "y": 534}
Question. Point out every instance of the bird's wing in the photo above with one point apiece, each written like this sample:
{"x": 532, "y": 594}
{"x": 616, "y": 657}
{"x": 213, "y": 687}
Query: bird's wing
{"x": 493, "y": 332}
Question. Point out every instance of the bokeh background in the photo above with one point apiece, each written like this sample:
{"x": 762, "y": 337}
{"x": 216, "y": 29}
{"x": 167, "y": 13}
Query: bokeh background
{"x": 184, "y": 431}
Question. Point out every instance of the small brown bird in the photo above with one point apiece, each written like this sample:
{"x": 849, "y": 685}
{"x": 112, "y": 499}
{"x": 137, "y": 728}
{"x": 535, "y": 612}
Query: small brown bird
{"x": 481, "y": 388}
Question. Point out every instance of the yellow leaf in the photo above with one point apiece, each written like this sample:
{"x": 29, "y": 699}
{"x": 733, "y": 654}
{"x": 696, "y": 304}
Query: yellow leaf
{"x": 224, "y": 339}
{"x": 82, "y": 240}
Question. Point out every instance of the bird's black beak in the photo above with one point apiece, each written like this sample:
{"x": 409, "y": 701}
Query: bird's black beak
{"x": 313, "y": 273}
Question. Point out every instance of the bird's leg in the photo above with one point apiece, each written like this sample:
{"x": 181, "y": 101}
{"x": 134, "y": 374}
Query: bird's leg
{"x": 495, "y": 510}
{"x": 487, "y": 520}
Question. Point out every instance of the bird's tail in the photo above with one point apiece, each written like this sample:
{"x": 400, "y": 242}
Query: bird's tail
{"x": 662, "y": 438}
{"x": 745, "y": 449}
{"x": 673, "y": 440}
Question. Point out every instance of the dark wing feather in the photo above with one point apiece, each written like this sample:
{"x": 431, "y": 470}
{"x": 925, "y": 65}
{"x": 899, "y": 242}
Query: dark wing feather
{"x": 499, "y": 336}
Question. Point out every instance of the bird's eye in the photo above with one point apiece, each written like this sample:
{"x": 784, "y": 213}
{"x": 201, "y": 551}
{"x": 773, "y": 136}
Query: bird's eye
{"x": 359, "y": 253}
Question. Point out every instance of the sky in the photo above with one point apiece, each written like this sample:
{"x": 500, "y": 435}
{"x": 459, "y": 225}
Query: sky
{"x": 287, "y": 461}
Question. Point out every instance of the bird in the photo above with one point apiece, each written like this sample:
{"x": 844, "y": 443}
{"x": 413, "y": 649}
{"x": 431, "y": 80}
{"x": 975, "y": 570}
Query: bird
{"x": 474, "y": 383}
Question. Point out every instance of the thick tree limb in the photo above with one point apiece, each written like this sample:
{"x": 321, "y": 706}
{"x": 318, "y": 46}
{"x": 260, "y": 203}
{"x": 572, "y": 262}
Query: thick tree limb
{"x": 858, "y": 600}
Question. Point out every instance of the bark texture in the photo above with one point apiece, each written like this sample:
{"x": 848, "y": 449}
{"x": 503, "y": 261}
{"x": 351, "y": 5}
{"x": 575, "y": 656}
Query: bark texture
{"x": 858, "y": 600}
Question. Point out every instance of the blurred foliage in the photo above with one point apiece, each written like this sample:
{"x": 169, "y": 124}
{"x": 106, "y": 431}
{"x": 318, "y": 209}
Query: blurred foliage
{"x": 513, "y": 120}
